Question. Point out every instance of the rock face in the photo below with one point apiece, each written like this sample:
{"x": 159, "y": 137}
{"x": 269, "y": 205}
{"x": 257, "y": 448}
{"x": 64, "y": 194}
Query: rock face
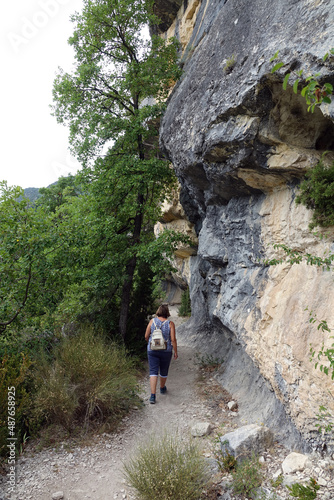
{"x": 240, "y": 145}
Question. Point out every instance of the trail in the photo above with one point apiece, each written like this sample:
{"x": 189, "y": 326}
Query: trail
{"x": 96, "y": 471}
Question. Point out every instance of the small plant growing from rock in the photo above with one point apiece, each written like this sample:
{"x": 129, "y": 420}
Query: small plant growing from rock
{"x": 226, "y": 463}
{"x": 297, "y": 490}
{"x": 185, "y": 307}
{"x": 229, "y": 65}
{"x": 275, "y": 483}
{"x": 314, "y": 92}
{"x": 317, "y": 193}
{"x": 208, "y": 362}
{"x": 247, "y": 476}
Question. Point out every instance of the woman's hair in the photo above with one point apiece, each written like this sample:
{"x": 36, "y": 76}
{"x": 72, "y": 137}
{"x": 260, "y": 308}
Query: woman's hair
{"x": 163, "y": 311}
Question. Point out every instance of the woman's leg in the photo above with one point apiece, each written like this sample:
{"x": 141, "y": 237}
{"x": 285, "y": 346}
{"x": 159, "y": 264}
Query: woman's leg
{"x": 153, "y": 362}
{"x": 164, "y": 367}
{"x": 153, "y": 383}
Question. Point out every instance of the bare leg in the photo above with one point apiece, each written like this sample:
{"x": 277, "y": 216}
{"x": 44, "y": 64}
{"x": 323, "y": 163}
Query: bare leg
{"x": 153, "y": 384}
{"x": 163, "y": 381}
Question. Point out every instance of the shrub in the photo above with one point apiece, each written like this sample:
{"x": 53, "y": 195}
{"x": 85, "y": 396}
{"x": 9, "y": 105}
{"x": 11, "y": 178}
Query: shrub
{"x": 89, "y": 379}
{"x": 185, "y": 308}
{"x": 14, "y": 372}
{"x": 317, "y": 194}
{"x": 168, "y": 468}
{"x": 247, "y": 477}
{"x": 208, "y": 362}
{"x": 297, "y": 490}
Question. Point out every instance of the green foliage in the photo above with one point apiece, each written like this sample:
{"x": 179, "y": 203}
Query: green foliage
{"x": 328, "y": 353}
{"x": 114, "y": 99}
{"x": 230, "y": 63}
{"x": 247, "y": 477}
{"x": 208, "y": 361}
{"x": 77, "y": 254}
{"x": 14, "y": 373}
{"x": 314, "y": 92}
{"x": 296, "y": 257}
{"x": 278, "y": 481}
{"x": 297, "y": 490}
{"x": 58, "y": 193}
{"x": 28, "y": 238}
{"x": 168, "y": 468}
{"x": 317, "y": 194}
{"x": 226, "y": 462}
{"x": 88, "y": 379}
{"x": 185, "y": 308}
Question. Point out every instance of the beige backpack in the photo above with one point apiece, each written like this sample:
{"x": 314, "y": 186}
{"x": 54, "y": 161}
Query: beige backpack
{"x": 158, "y": 341}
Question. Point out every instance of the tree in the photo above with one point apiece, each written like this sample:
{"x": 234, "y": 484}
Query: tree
{"x": 27, "y": 240}
{"x": 114, "y": 99}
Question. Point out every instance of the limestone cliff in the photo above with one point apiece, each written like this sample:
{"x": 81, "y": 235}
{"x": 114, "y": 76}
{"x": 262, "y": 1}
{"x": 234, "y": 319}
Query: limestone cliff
{"x": 240, "y": 145}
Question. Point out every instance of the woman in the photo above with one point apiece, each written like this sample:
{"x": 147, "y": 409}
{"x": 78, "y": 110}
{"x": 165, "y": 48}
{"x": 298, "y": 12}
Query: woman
{"x": 160, "y": 360}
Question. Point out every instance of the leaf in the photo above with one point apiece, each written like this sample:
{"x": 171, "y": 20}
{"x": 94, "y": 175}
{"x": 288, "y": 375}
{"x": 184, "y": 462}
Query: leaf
{"x": 277, "y": 67}
{"x": 285, "y": 81}
{"x": 295, "y": 86}
{"x": 274, "y": 56}
{"x": 304, "y": 90}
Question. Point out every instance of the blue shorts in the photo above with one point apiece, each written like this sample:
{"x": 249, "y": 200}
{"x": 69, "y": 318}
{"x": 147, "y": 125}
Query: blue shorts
{"x": 159, "y": 359}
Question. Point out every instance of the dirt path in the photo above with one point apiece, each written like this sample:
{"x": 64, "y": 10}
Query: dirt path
{"x": 95, "y": 472}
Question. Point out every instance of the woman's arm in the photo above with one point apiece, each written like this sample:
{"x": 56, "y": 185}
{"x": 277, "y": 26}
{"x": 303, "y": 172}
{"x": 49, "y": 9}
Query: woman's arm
{"x": 148, "y": 331}
{"x": 173, "y": 338}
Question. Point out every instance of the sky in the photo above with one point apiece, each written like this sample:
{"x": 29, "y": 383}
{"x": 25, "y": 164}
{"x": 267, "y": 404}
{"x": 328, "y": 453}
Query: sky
{"x": 34, "y": 34}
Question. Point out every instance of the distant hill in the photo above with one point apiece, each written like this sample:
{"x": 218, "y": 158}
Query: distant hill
{"x": 32, "y": 194}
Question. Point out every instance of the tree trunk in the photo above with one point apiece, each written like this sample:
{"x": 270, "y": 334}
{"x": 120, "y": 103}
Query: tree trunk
{"x": 130, "y": 268}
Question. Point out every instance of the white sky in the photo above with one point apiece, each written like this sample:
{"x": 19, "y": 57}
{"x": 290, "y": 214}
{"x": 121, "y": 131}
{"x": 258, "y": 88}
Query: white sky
{"x": 34, "y": 147}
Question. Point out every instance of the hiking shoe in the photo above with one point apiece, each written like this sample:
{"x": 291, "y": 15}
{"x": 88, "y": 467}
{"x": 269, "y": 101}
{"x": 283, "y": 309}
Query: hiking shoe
{"x": 163, "y": 390}
{"x": 152, "y": 399}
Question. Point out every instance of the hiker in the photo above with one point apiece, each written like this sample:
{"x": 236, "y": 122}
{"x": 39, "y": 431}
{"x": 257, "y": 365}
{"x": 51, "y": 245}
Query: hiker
{"x": 160, "y": 359}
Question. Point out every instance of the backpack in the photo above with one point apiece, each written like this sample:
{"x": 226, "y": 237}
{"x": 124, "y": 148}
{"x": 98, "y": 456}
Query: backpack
{"x": 158, "y": 341}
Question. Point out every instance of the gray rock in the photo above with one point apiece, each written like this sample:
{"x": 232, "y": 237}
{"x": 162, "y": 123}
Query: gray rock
{"x": 219, "y": 130}
{"x": 245, "y": 441}
{"x": 58, "y": 495}
{"x": 201, "y": 429}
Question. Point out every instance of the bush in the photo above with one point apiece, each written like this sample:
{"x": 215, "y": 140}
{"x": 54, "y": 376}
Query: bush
{"x": 14, "y": 372}
{"x": 185, "y": 308}
{"x": 89, "y": 379}
{"x": 168, "y": 468}
{"x": 302, "y": 492}
{"x": 317, "y": 193}
{"x": 247, "y": 477}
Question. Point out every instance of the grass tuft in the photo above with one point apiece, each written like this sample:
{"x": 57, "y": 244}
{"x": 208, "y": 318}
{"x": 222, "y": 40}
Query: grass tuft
{"x": 167, "y": 468}
{"x": 89, "y": 379}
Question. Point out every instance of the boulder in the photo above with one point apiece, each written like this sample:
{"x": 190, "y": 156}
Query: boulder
{"x": 295, "y": 462}
{"x": 246, "y": 440}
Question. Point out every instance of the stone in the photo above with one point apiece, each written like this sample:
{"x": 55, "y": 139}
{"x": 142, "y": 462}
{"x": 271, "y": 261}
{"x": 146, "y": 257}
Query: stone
{"x": 58, "y": 495}
{"x": 321, "y": 481}
{"x": 295, "y": 462}
{"x": 246, "y": 440}
{"x": 232, "y": 405}
{"x": 289, "y": 480}
{"x": 201, "y": 429}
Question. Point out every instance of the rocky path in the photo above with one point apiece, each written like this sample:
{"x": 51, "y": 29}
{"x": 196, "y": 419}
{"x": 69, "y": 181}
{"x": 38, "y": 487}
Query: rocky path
{"x": 96, "y": 471}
